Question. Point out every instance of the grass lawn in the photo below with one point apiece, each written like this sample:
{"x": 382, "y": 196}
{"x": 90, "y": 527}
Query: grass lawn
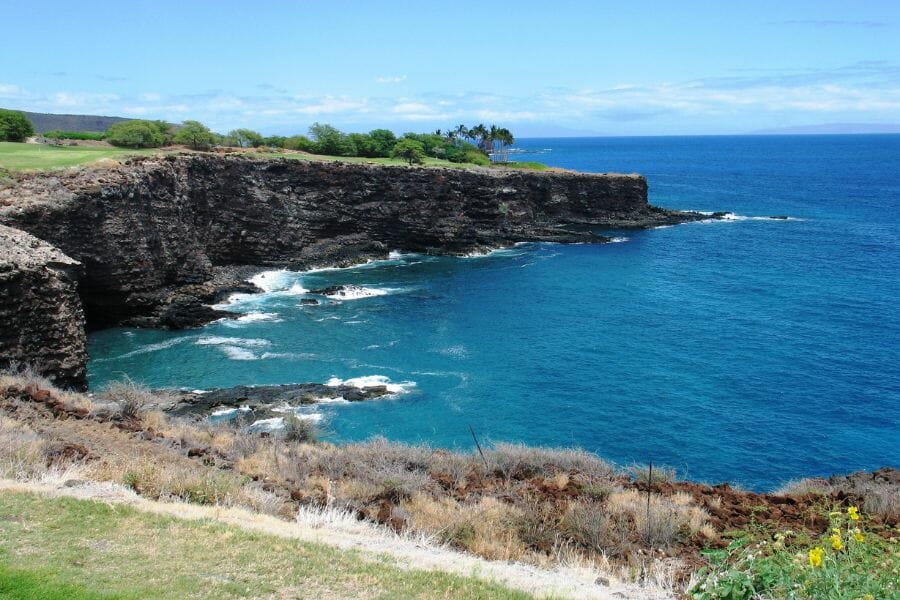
{"x": 86, "y": 550}
{"x": 37, "y": 157}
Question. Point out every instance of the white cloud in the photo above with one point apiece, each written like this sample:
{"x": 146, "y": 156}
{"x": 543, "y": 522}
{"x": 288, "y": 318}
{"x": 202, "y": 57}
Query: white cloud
{"x": 390, "y": 79}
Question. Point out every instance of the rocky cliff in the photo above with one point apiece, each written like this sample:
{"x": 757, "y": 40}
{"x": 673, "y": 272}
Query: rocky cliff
{"x": 160, "y": 238}
{"x": 41, "y": 321}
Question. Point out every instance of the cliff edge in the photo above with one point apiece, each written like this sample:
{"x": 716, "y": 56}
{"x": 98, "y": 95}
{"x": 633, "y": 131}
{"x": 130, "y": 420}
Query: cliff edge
{"x": 161, "y": 238}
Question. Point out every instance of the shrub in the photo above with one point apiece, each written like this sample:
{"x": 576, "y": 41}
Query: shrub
{"x": 299, "y": 430}
{"x": 412, "y": 151}
{"x": 476, "y": 157}
{"x": 74, "y": 135}
{"x": 849, "y": 561}
{"x": 132, "y": 398}
{"x": 14, "y": 126}
{"x": 517, "y": 461}
{"x": 136, "y": 134}
{"x": 299, "y": 142}
{"x": 195, "y": 134}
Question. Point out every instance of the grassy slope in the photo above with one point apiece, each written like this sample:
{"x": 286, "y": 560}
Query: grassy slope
{"x": 78, "y": 549}
{"x": 31, "y": 157}
{"x": 39, "y": 157}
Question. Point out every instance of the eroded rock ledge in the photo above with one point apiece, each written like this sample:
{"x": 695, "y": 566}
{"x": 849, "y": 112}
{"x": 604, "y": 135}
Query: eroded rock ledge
{"x": 159, "y": 239}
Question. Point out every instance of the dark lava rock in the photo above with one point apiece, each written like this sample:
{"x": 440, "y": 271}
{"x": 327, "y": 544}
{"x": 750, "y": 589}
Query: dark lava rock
{"x": 259, "y": 397}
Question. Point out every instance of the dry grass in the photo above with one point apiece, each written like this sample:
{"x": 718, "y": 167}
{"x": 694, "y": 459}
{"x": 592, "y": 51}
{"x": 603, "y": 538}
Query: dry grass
{"x": 517, "y": 461}
{"x": 22, "y": 451}
{"x": 487, "y": 527}
{"x": 878, "y": 498}
{"x": 662, "y": 522}
{"x": 131, "y": 398}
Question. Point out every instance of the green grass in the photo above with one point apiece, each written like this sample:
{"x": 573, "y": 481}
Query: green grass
{"x": 39, "y": 157}
{"x": 86, "y": 550}
{"x": 429, "y": 162}
{"x": 524, "y": 165}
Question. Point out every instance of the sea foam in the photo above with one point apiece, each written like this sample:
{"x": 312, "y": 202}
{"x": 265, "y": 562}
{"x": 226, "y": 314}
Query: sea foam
{"x": 367, "y": 381}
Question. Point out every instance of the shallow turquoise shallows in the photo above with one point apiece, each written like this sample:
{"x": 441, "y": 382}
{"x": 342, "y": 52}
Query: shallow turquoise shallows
{"x": 751, "y": 350}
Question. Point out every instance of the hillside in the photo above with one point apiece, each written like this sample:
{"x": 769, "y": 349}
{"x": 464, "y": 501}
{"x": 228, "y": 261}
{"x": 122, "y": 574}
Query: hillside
{"x": 44, "y": 122}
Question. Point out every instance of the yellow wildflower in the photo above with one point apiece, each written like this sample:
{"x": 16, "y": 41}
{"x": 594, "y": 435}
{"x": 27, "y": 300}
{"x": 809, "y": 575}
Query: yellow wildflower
{"x": 853, "y": 511}
{"x": 836, "y": 542}
{"x": 857, "y": 535}
{"x": 815, "y": 556}
{"x": 836, "y": 531}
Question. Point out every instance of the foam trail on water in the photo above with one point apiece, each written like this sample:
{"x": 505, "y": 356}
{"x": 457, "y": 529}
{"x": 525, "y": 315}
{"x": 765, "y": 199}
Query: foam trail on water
{"x": 237, "y": 353}
{"x": 153, "y": 347}
{"x": 214, "y": 340}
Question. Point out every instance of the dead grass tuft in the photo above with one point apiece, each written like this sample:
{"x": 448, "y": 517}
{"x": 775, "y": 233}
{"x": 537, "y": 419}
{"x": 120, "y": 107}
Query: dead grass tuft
{"x": 517, "y": 461}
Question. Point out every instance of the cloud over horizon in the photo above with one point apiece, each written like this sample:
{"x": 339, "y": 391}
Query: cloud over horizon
{"x": 863, "y": 91}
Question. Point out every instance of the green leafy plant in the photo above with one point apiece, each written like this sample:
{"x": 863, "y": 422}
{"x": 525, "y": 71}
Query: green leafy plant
{"x": 849, "y": 561}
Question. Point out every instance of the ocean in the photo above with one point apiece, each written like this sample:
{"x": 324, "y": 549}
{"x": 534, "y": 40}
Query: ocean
{"x": 751, "y": 350}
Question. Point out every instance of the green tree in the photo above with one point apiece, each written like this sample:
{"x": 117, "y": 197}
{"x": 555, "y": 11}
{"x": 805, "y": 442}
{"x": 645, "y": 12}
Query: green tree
{"x": 135, "y": 134}
{"x": 384, "y": 141}
{"x": 14, "y": 126}
{"x": 412, "y": 151}
{"x": 274, "y": 141}
{"x": 195, "y": 134}
{"x": 245, "y": 138}
{"x": 166, "y": 131}
{"x": 364, "y": 144}
{"x": 299, "y": 142}
{"x": 329, "y": 140}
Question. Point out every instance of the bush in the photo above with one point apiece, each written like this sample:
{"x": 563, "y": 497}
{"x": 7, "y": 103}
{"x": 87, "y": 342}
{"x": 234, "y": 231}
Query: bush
{"x": 14, "y": 126}
{"x": 132, "y": 398}
{"x": 477, "y": 157}
{"x": 410, "y": 150}
{"x": 330, "y": 141}
{"x": 299, "y": 142}
{"x": 195, "y": 134}
{"x": 299, "y": 430}
{"x": 849, "y": 561}
{"x": 74, "y": 135}
{"x": 136, "y": 134}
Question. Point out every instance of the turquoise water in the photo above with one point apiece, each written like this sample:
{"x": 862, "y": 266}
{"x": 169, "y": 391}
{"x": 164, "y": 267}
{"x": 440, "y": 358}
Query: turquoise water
{"x": 751, "y": 350}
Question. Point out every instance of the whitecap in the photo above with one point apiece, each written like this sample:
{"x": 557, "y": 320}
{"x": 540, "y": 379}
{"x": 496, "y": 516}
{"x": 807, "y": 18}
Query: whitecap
{"x": 227, "y": 412}
{"x": 618, "y": 240}
{"x": 288, "y": 355}
{"x": 214, "y": 340}
{"x": 236, "y": 353}
{"x": 355, "y": 292}
{"x": 455, "y": 351}
{"x": 252, "y": 317}
{"x": 267, "y": 424}
{"x": 367, "y": 381}
{"x": 269, "y": 281}
{"x": 154, "y": 347}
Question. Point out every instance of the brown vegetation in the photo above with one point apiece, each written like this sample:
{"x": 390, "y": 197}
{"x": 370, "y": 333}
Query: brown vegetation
{"x": 518, "y": 503}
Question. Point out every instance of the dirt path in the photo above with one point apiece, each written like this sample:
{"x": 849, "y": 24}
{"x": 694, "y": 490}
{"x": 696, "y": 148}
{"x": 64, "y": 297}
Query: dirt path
{"x": 343, "y": 531}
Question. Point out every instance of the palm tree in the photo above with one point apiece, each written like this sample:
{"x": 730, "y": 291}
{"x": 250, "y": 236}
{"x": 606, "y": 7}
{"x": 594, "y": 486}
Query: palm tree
{"x": 480, "y": 132}
{"x": 462, "y": 131}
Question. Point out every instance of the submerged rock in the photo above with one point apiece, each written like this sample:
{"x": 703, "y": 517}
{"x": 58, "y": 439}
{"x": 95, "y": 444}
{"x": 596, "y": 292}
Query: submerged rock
{"x": 264, "y": 397}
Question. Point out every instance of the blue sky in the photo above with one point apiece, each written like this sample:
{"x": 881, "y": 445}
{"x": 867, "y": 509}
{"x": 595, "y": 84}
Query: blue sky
{"x": 539, "y": 68}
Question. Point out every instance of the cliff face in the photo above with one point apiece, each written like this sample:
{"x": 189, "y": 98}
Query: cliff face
{"x": 159, "y": 237}
{"x": 41, "y": 321}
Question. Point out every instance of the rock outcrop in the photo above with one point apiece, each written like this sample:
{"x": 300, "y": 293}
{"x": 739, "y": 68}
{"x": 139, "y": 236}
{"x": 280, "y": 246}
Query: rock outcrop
{"x": 41, "y": 320}
{"x": 161, "y": 238}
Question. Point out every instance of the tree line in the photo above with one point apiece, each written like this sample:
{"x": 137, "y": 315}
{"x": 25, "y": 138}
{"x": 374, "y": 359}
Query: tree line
{"x": 460, "y": 144}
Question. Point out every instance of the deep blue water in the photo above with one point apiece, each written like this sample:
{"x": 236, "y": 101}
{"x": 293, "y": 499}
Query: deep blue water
{"x": 750, "y": 351}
